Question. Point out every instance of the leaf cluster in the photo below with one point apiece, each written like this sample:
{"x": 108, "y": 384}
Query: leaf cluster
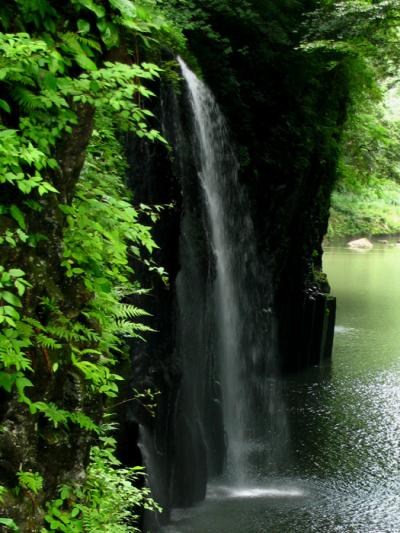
{"x": 109, "y": 500}
{"x": 53, "y": 64}
{"x": 365, "y": 28}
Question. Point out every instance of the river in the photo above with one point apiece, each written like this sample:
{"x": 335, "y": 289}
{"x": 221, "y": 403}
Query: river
{"x": 342, "y": 469}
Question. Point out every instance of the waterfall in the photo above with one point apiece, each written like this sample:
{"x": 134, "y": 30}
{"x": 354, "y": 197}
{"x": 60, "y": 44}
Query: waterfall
{"x": 242, "y": 321}
{"x": 221, "y": 420}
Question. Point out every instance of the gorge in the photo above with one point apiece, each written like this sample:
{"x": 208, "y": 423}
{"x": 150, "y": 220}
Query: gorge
{"x": 168, "y": 170}
{"x": 228, "y": 417}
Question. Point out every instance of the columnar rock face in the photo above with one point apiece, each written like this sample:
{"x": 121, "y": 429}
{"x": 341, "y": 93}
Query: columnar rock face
{"x": 176, "y": 445}
{"x": 285, "y": 110}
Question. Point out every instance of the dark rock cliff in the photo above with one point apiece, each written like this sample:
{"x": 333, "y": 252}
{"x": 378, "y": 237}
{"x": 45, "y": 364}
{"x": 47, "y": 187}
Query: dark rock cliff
{"x": 285, "y": 109}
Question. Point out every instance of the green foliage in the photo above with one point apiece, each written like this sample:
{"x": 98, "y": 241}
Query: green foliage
{"x": 30, "y": 481}
{"x": 373, "y": 210}
{"x": 56, "y": 64}
{"x": 370, "y": 146}
{"x": 102, "y": 210}
{"x": 3, "y": 491}
{"x": 366, "y": 197}
{"x": 34, "y": 73}
{"x": 363, "y": 36}
{"x": 108, "y": 500}
{"x": 148, "y": 399}
{"x": 15, "y": 332}
{"x": 369, "y": 26}
{"x": 9, "y": 523}
{"x": 195, "y": 16}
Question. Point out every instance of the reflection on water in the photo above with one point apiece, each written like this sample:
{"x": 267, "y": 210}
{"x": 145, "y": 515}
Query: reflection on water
{"x": 276, "y": 491}
{"x": 343, "y": 474}
{"x": 339, "y": 330}
{"x": 267, "y": 493}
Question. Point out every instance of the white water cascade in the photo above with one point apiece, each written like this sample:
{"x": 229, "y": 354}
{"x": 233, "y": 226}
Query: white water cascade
{"x": 254, "y": 423}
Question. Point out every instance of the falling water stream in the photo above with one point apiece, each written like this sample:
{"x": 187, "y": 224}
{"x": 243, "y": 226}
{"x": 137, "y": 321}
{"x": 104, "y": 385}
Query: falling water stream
{"x": 218, "y": 175}
{"x": 243, "y": 321}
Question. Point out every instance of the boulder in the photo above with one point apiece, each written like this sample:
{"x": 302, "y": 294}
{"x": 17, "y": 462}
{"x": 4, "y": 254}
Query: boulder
{"x": 360, "y": 244}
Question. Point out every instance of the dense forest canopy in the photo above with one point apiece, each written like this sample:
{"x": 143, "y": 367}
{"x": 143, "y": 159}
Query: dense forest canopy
{"x": 75, "y": 77}
{"x": 366, "y": 197}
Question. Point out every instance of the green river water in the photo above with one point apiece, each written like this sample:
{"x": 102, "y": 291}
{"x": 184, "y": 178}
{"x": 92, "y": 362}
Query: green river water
{"x": 342, "y": 469}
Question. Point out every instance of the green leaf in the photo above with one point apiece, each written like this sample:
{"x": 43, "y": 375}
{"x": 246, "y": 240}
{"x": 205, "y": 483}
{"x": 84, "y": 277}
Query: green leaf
{"x": 24, "y": 186}
{"x": 83, "y": 26}
{"x": 96, "y": 8}
{"x": 10, "y": 311}
{"x": 9, "y": 523}
{"x": 75, "y": 511}
{"x": 52, "y": 412}
{"x": 20, "y": 288}
{"x": 32, "y": 481}
{"x": 16, "y": 272}
{"x": 10, "y": 321}
{"x": 84, "y": 62}
{"x": 4, "y": 105}
{"x": 109, "y": 33}
{"x": 21, "y": 383}
{"x": 22, "y": 235}
{"x": 10, "y": 298}
{"x": 17, "y": 215}
{"x": 84, "y": 422}
{"x": 7, "y": 380}
{"x": 65, "y": 492}
{"x": 50, "y": 81}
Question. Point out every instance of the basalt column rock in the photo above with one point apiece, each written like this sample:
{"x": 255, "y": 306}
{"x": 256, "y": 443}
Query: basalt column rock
{"x": 178, "y": 359}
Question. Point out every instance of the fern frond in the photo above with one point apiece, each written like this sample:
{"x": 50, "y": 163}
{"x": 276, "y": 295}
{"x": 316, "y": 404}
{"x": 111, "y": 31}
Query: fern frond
{"x": 84, "y": 421}
{"x": 63, "y": 334}
{"x": 27, "y": 99}
{"x": 129, "y": 311}
{"x": 132, "y": 329}
{"x": 33, "y": 322}
{"x": 91, "y": 43}
{"x": 78, "y": 46}
{"x": 72, "y": 332}
{"x": 48, "y": 342}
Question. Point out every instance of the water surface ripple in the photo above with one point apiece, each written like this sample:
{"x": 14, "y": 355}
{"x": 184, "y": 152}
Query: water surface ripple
{"x": 343, "y": 471}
